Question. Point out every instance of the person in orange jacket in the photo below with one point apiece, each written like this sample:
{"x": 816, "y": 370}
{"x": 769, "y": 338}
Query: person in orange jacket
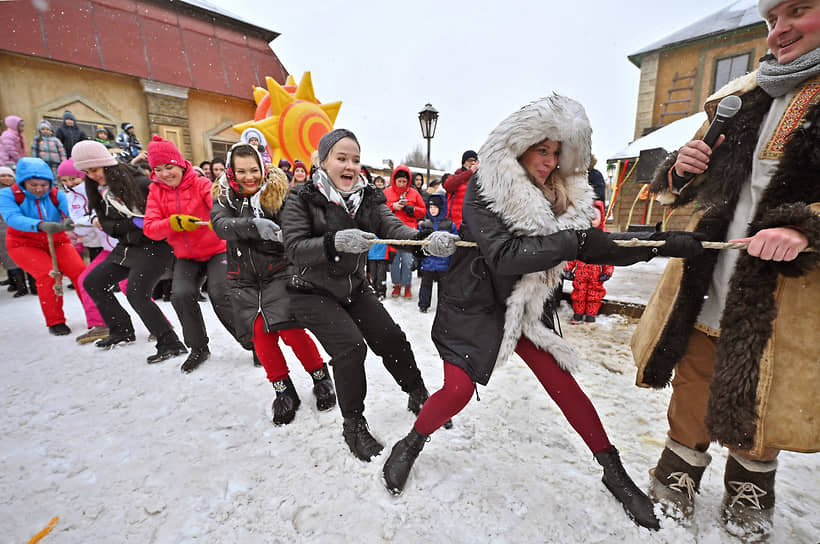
{"x": 179, "y": 205}
{"x": 408, "y": 206}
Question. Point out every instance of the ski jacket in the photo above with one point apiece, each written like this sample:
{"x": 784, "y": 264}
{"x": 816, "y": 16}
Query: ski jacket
{"x": 48, "y": 148}
{"x": 27, "y": 215}
{"x": 310, "y": 223}
{"x": 82, "y": 216}
{"x": 70, "y": 136}
{"x": 431, "y": 263}
{"x": 129, "y": 143}
{"x": 764, "y": 387}
{"x": 258, "y": 269}
{"x": 502, "y": 289}
{"x": 414, "y": 208}
{"x": 456, "y": 186}
{"x": 191, "y": 197}
{"x": 12, "y": 143}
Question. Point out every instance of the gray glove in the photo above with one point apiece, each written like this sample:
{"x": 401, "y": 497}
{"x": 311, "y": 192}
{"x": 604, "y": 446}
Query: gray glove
{"x": 52, "y": 227}
{"x": 442, "y": 244}
{"x": 353, "y": 241}
{"x": 267, "y": 229}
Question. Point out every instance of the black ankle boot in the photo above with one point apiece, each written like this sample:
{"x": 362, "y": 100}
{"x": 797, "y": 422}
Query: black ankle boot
{"x": 359, "y": 439}
{"x": 323, "y": 389}
{"x": 398, "y": 465}
{"x": 637, "y": 505}
{"x": 196, "y": 358}
{"x": 115, "y": 338}
{"x": 168, "y": 345}
{"x": 17, "y": 282}
{"x": 286, "y": 402}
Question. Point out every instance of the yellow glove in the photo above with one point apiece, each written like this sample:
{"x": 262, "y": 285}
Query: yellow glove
{"x": 180, "y": 222}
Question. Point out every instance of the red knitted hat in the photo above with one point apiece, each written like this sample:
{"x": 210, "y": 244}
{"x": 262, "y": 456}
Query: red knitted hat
{"x": 164, "y": 152}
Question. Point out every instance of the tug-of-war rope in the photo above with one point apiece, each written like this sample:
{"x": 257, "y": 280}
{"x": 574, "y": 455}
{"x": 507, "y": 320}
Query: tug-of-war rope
{"x": 634, "y": 242}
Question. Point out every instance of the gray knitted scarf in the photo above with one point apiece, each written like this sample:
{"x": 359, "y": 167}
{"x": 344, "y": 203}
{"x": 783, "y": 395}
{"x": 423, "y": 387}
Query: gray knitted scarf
{"x": 779, "y": 79}
{"x": 348, "y": 200}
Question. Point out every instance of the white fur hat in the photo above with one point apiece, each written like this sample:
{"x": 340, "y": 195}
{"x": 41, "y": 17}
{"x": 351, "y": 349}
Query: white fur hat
{"x": 765, "y": 6}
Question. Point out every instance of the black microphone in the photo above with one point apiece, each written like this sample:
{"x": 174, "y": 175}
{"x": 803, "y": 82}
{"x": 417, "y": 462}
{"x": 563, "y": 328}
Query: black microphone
{"x": 726, "y": 109}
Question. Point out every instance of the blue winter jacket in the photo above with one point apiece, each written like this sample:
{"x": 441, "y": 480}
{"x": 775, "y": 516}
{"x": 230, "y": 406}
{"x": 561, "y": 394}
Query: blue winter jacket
{"x": 27, "y": 215}
{"x": 439, "y": 222}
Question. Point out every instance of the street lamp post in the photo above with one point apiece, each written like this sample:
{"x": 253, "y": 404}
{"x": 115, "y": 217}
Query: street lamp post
{"x": 428, "y": 117}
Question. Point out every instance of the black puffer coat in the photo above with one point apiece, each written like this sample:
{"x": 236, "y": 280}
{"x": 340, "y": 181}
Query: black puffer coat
{"x": 133, "y": 245}
{"x": 310, "y": 223}
{"x": 258, "y": 270}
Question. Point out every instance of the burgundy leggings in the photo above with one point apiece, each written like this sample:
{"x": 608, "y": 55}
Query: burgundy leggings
{"x": 270, "y": 355}
{"x": 560, "y": 385}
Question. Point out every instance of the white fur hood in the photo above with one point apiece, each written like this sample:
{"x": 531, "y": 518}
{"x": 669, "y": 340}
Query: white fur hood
{"x": 510, "y": 194}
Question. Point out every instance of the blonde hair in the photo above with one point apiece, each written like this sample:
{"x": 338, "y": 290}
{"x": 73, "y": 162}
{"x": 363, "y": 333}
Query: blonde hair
{"x": 560, "y": 201}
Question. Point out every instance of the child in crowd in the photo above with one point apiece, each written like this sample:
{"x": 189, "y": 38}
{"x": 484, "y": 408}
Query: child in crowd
{"x": 588, "y": 280}
{"x": 247, "y": 202}
{"x": 16, "y": 280}
{"x": 46, "y": 146}
{"x": 103, "y": 136}
{"x": 38, "y": 216}
{"x": 89, "y": 238}
{"x": 255, "y": 139}
{"x": 434, "y": 268}
{"x": 12, "y": 142}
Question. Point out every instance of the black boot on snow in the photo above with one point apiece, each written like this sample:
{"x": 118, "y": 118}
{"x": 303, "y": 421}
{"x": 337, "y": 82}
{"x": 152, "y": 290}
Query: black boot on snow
{"x": 416, "y": 399}
{"x": 358, "y": 438}
{"x": 196, "y": 358}
{"x": 398, "y": 465}
{"x": 286, "y": 402}
{"x": 168, "y": 345}
{"x": 17, "y": 282}
{"x": 115, "y": 338}
{"x": 323, "y": 389}
{"x": 59, "y": 329}
{"x": 638, "y": 506}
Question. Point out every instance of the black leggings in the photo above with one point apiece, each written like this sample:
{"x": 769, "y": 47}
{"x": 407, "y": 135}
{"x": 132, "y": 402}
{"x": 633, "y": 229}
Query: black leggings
{"x": 142, "y": 271}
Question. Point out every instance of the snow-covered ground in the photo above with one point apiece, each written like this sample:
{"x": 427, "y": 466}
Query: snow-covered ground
{"x": 126, "y": 452}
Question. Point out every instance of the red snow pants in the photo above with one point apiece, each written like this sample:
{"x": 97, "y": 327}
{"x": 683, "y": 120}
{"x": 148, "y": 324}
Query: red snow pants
{"x": 587, "y": 291}
{"x": 30, "y": 251}
{"x": 270, "y": 354}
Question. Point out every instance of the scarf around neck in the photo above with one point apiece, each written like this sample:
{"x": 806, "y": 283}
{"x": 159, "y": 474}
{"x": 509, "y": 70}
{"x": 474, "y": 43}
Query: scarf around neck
{"x": 779, "y": 79}
{"x": 348, "y": 200}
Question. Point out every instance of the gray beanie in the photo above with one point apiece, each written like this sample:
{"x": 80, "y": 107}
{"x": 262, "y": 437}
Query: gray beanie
{"x": 331, "y": 138}
{"x": 765, "y": 6}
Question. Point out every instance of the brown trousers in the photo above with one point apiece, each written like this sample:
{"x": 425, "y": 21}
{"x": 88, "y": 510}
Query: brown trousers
{"x": 690, "y": 396}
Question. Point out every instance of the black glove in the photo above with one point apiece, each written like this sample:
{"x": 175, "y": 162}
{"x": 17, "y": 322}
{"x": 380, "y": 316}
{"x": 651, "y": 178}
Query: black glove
{"x": 679, "y": 243}
{"x": 603, "y": 277}
{"x": 408, "y": 209}
{"x": 594, "y": 245}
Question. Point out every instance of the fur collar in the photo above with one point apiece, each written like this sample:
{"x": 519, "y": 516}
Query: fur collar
{"x": 271, "y": 195}
{"x": 504, "y": 186}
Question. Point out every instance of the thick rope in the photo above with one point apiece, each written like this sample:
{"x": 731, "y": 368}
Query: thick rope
{"x": 623, "y": 243}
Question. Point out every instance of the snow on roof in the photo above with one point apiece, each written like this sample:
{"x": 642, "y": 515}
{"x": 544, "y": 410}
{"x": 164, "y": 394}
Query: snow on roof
{"x": 208, "y": 6}
{"x": 738, "y": 14}
{"x": 669, "y": 137}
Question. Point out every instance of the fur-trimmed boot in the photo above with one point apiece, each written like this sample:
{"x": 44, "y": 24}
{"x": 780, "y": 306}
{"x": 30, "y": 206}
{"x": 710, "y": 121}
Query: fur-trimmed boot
{"x": 637, "y": 505}
{"x": 286, "y": 402}
{"x": 358, "y": 438}
{"x": 748, "y": 504}
{"x": 404, "y": 454}
{"x": 323, "y": 389}
{"x": 676, "y": 480}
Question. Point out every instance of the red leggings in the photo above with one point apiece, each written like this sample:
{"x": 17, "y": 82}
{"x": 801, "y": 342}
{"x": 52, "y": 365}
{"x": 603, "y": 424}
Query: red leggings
{"x": 560, "y": 385}
{"x": 271, "y": 356}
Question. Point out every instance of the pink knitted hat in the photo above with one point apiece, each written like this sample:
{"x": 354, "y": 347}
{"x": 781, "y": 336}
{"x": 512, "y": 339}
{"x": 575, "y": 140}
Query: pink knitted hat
{"x": 91, "y": 154}
{"x": 67, "y": 168}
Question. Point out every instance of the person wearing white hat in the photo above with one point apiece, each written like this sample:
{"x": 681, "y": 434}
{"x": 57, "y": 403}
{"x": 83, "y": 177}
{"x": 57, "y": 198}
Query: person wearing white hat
{"x": 739, "y": 328}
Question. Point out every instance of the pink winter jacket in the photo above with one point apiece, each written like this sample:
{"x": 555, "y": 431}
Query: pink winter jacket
{"x": 191, "y": 197}
{"x": 12, "y": 143}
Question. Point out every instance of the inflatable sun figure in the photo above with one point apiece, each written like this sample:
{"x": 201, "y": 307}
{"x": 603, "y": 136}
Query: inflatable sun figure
{"x": 291, "y": 118}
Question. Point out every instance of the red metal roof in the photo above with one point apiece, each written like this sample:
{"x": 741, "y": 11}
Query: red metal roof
{"x": 158, "y": 40}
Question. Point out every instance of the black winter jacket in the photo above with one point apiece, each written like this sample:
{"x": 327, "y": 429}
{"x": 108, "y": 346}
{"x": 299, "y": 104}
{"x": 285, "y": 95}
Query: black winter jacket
{"x": 258, "y": 270}
{"x": 310, "y": 223}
